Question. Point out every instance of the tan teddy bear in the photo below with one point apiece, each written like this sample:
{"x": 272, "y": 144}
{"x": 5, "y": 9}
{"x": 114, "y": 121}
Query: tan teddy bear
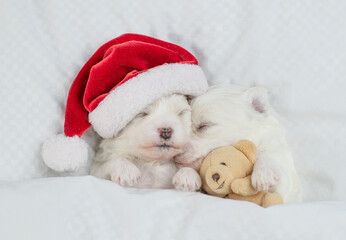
{"x": 226, "y": 172}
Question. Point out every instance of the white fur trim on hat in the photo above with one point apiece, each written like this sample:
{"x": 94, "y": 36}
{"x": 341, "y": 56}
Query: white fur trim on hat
{"x": 129, "y": 99}
{"x": 62, "y": 153}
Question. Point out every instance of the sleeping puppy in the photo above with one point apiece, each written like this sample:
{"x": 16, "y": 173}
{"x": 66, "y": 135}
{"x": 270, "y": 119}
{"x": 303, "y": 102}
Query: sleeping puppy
{"x": 228, "y": 113}
{"x": 141, "y": 154}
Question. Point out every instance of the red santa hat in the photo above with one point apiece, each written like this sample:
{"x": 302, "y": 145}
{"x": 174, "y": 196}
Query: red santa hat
{"x": 122, "y": 77}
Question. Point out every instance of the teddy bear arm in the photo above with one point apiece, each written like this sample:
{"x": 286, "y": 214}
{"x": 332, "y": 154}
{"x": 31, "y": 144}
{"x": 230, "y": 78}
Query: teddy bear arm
{"x": 243, "y": 186}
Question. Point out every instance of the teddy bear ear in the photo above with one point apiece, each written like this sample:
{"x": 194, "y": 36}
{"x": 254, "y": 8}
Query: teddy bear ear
{"x": 248, "y": 148}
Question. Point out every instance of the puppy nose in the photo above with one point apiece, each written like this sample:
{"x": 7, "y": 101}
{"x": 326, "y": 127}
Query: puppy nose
{"x": 165, "y": 133}
{"x": 215, "y": 177}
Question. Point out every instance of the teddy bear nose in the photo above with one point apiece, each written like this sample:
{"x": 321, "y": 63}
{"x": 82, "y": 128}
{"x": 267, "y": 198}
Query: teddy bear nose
{"x": 216, "y": 177}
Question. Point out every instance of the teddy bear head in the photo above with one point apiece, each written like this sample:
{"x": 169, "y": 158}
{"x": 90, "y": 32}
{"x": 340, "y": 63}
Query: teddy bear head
{"x": 223, "y": 165}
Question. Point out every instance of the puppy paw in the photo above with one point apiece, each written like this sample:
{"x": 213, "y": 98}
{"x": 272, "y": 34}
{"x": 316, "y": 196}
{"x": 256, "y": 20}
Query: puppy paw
{"x": 125, "y": 174}
{"x": 187, "y": 179}
{"x": 264, "y": 178}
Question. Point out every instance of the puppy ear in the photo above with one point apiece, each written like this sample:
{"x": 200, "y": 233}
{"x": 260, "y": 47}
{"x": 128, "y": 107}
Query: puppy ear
{"x": 258, "y": 98}
{"x": 248, "y": 148}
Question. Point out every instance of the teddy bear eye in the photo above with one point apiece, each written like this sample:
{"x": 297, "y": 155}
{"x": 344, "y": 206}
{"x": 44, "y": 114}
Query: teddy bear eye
{"x": 223, "y": 163}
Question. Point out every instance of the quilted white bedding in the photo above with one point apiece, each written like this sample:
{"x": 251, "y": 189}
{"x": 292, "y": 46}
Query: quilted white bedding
{"x": 296, "y": 49}
{"x": 89, "y": 208}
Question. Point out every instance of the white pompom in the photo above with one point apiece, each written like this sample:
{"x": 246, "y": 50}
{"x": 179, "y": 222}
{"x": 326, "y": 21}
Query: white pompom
{"x": 62, "y": 153}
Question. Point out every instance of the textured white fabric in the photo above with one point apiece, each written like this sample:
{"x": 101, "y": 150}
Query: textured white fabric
{"x": 126, "y": 101}
{"x": 90, "y": 208}
{"x": 296, "y": 49}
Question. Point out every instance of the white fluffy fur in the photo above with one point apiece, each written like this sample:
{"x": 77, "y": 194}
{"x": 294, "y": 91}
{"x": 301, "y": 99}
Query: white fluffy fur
{"x": 134, "y": 157}
{"x": 62, "y": 153}
{"x": 126, "y": 101}
{"x": 228, "y": 113}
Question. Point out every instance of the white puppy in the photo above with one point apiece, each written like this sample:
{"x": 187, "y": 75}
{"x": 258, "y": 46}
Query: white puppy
{"x": 141, "y": 154}
{"x": 228, "y": 113}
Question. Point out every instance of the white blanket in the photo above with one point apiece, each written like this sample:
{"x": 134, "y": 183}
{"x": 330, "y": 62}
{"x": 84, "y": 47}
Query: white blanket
{"x": 294, "y": 48}
{"x": 89, "y": 208}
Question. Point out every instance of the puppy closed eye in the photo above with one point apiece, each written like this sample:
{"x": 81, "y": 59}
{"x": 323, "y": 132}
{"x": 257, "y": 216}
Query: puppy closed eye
{"x": 204, "y": 126}
{"x": 224, "y": 164}
{"x": 142, "y": 114}
{"x": 181, "y": 113}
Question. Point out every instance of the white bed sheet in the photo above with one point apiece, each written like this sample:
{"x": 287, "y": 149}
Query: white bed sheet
{"x": 90, "y": 208}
